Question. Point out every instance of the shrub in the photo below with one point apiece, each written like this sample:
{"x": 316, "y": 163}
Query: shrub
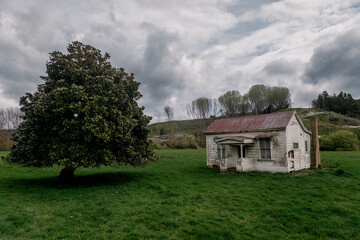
{"x": 187, "y": 141}
{"x": 341, "y": 140}
{"x": 156, "y": 145}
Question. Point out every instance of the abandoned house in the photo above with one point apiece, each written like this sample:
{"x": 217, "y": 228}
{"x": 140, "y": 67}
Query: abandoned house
{"x": 276, "y": 142}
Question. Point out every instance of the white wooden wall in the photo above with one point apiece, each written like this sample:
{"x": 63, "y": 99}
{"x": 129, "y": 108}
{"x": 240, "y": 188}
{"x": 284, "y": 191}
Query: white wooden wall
{"x": 278, "y": 151}
{"x": 296, "y": 134}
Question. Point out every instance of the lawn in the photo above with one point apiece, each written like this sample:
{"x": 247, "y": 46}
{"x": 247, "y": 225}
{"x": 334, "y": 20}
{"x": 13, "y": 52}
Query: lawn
{"x": 179, "y": 198}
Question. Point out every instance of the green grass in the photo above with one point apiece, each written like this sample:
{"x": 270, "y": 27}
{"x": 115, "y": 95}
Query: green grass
{"x": 179, "y": 198}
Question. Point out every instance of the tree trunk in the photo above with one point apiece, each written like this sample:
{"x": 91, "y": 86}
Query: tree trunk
{"x": 67, "y": 173}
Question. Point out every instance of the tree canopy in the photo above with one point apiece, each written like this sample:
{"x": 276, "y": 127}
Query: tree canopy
{"x": 342, "y": 103}
{"x": 85, "y": 114}
{"x": 230, "y": 102}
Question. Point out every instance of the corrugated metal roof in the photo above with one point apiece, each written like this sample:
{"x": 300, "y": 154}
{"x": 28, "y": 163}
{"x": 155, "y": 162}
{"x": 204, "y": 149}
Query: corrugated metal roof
{"x": 251, "y": 123}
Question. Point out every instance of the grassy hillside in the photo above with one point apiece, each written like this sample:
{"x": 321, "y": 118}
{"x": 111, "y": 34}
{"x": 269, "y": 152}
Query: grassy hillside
{"x": 178, "y": 127}
{"x": 328, "y": 122}
{"x": 179, "y": 198}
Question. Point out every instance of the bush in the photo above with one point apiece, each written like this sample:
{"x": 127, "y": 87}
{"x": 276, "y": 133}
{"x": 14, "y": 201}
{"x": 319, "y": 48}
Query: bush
{"x": 177, "y": 142}
{"x": 156, "y": 145}
{"x": 341, "y": 140}
{"x": 187, "y": 141}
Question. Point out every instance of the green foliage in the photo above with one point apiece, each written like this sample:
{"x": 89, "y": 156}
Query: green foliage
{"x": 230, "y": 102}
{"x": 342, "y": 140}
{"x": 342, "y": 103}
{"x": 179, "y": 198}
{"x": 85, "y": 114}
{"x": 358, "y": 134}
{"x": 183, "y": 142}
{"x": 187, "y": 141}
{"x": 266, "y": 99}
{"x": 279, "y": 98}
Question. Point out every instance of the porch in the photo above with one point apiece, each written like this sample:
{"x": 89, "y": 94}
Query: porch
{"x": 235, "y": 159}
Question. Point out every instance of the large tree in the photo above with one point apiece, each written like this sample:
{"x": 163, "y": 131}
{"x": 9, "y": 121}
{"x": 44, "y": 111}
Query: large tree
{"x": 201, "y": 108}
{"x": 230, "y": 102}
{"x": 85, "y": 114}
{"x": 279, "y": 98}
{"x": 258, "y": 96}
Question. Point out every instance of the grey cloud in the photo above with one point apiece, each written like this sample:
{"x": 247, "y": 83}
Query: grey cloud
{"x": 337, "y": 62}
{"x": 18, "y": 70}
{"x": 157, "y": 47}
{"x": 281, "y": 67}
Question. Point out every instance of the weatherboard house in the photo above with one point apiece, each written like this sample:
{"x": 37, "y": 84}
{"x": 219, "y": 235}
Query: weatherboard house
{"x": 276, "y": 142}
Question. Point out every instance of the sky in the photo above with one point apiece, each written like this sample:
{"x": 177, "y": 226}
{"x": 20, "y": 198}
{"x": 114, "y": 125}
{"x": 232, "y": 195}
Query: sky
{"x": 183, "y": 50}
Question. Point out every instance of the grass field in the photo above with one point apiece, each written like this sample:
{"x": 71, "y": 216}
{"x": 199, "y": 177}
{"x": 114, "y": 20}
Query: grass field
{"x": 179, "y": 198}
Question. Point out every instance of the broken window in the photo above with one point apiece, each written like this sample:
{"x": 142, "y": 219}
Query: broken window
{"x": 291, "y": 154}
{"x": 265, "y": 148}
{"x": 295, "y": 145}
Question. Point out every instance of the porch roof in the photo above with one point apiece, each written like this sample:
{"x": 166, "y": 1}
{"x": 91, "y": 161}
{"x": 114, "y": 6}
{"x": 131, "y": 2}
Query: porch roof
{"x": 237, "y": 140}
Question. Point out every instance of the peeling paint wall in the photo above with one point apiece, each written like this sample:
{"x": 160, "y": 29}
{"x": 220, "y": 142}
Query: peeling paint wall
{"x": 296, "y": 135}
{"x": 253, "y": 162}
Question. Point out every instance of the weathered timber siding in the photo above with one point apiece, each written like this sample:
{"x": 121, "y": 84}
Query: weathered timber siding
{"x": 253, "y": 162}
{"x": 296, "y": 134}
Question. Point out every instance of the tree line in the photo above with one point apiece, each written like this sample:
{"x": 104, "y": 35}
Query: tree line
{"x": 259, "y": 99}
{"x": 10, "y": 118}
{"x": 342, "y": 103}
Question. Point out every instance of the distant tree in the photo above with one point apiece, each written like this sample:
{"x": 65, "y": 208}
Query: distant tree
{"x": 280, "y": 98}
{"x": 230, "y": 102}
{"x": 244, "y": 106}
{"x": 85, "y": 114}
{"x": 169, "y": 112}
{"x": 342, "y": 103}
{"x": 3, "y": 118}
{"x": 258, "y": 96}
{"x": 201, "y": 108}
{"x": 14, "y": 117}
{"x": 10, "y": 118}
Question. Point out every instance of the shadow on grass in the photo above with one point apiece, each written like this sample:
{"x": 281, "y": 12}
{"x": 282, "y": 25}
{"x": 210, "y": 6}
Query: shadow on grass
{"x": 82, "y": 181}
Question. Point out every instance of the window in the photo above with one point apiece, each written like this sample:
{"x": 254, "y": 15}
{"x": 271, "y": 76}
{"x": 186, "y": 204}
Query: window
{"x": 306, "y": 146}
{"x": 265, "y": 148}
{"x": 221, "y": 150}
{"x": 291, "y": 154}
{"x": 243, "y": 153}
{"x": 295, "y": 145}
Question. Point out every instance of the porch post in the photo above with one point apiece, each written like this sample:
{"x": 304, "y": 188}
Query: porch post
{"x": 241, "y": 151}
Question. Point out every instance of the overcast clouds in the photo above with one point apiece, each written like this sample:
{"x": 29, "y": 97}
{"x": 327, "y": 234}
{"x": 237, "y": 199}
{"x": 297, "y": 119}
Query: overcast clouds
{"x": 182, "y": 50}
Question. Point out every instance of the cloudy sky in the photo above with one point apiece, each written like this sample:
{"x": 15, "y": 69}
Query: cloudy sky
{"x": 183, "y": 50}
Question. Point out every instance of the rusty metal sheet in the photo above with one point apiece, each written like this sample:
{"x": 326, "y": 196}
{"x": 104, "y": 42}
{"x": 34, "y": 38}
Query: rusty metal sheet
{"x": 251, "y": 123}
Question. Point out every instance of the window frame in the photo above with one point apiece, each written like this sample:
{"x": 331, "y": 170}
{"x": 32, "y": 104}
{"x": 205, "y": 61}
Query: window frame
{"x": 265, "y": 148}
{"x": 221, "y": 151}
{"x": 243, "y": 152}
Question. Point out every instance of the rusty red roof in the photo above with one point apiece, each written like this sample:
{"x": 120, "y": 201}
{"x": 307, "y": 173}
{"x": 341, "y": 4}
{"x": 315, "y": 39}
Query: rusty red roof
{"x": 251, "y": 123}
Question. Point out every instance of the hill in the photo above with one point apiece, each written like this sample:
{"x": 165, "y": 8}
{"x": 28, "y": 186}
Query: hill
{"x": 328, "y": 122}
